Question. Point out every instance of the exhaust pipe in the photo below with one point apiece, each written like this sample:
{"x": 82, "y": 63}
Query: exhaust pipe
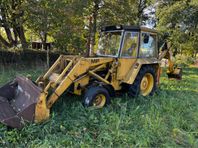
{"x": 18, "y": 100}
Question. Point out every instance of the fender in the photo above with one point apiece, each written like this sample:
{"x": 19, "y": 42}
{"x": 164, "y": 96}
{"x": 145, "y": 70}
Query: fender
{"x": 130, "y": 78}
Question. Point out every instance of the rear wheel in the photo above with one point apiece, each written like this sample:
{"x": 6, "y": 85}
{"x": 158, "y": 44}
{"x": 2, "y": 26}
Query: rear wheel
{"x": 96, "y": 96}
{"x": 145, "y": 82}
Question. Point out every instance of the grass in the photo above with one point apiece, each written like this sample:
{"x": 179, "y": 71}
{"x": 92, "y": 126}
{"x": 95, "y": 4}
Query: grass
{"x": 167, "y": 119}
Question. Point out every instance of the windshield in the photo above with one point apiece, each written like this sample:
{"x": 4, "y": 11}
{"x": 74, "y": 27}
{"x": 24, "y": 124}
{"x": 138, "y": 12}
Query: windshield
{"x": 109, "y": 43}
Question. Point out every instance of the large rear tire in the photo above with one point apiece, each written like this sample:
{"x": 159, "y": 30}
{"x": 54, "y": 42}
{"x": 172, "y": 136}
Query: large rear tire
{"x": 96, "y": 96}
{"x": 145, "y": 82}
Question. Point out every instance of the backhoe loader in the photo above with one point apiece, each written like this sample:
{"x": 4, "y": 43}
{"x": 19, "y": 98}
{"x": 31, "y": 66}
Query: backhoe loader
{"x": 127, "y": 58}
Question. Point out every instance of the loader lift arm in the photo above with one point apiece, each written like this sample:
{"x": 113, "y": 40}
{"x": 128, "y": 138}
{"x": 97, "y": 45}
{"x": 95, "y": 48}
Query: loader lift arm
{"x": 64, "y": 72}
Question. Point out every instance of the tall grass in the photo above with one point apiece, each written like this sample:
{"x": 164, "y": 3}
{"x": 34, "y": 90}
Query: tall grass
{"x": 9, "y": 72}
{"x": 167, "y": 119}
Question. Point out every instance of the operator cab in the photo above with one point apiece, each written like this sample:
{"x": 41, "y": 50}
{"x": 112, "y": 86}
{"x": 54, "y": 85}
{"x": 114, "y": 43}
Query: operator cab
{"x": 127, "y": 42}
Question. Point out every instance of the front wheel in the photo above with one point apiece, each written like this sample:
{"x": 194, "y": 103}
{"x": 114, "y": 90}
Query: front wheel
{"x": 96, "y": 96}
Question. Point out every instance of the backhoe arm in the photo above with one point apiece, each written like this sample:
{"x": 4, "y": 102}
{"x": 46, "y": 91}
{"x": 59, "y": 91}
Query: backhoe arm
{"x": 167, "y": 55}
{"x": 172, "y": 71}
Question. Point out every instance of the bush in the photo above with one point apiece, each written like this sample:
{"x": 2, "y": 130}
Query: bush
{"x": 184, "y": 60}
{"x": 26, "y": 56}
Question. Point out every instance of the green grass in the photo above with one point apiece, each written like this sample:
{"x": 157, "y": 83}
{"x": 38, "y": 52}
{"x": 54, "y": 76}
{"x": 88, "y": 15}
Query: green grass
{"x": 167, "y": 119}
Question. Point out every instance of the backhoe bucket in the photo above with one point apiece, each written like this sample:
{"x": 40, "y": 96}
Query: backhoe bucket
{"x": 176, "y": 74}
{"x": 18, "y": 101}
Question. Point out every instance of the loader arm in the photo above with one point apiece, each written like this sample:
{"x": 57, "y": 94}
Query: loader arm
{"x": 57, "y": 83}
{"x": 64, "y": 72}
{"x": 76, "y": 71}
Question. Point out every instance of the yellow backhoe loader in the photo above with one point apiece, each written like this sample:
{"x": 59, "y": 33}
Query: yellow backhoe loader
{"x": 127, "y": 58}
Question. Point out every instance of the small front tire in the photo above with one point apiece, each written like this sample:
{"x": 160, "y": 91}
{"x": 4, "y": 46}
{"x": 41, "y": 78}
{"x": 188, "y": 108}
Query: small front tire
{"x": 96, "y": 96}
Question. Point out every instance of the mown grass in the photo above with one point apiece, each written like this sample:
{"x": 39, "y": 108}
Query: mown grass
{"x": 167, "y": 119}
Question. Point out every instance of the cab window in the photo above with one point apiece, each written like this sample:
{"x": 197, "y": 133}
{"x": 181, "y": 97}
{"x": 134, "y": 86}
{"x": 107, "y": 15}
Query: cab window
{"x": 148, "y": 45}
{"x": 130, "y": 44}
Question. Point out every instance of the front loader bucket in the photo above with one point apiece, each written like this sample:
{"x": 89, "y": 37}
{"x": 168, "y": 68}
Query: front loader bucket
{"x": 176, "y": 74}
{"x": 18, "y": 101}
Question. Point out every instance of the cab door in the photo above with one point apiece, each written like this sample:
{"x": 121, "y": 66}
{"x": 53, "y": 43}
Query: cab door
{"x": 128, "y": 53}
{"x": 148, "y": 48}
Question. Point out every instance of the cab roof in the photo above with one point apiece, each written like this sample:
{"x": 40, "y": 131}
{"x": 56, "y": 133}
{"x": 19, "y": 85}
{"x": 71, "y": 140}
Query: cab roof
{"x": 128, "y": 28}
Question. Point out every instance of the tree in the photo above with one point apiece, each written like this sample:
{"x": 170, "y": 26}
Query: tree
{"x": 39, "y": 18}
{"x": 180, "y": 19}
{"x": 12, "y": 21}
{"x": 71, "y": 23}
{"x": 106, "y": 12}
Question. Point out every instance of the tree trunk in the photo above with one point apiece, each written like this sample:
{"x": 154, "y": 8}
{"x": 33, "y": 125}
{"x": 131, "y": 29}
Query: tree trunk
{"x": 15, "y": 37}
{"x": 43, "y": 36}
{"x": 141, "y": 7}
{"x": 6, "y": 26}
{"x": 139, "y": 12}
{"x": 5, "y": 43}
{"x": 48, "y": 58}
{"x": 9, "y": 35}
{"x": 46, "y": 48}
{"x": 45, "y": 41}
{"x": 21, "y": 34}
{"x": 93, "y": 27}
{"x": 89, "y": 37}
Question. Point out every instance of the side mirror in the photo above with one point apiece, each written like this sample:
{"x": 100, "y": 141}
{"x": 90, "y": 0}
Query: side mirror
{"x": 146, "y": 38}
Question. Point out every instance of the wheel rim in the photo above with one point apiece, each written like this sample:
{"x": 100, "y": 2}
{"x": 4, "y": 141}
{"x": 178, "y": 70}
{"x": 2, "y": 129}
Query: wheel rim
{"x": 146, "y": 85}
{"x": 99, "y": 101}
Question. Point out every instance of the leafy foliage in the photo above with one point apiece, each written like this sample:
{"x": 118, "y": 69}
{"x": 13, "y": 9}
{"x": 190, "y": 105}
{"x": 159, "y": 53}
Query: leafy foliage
{"x": 11, "y": 20}
{"x": 71, "y": 24}
{"x": 180, "y": 19}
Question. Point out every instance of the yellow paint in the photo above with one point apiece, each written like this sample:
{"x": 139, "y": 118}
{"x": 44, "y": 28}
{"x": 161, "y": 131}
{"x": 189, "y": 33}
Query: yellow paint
{"x": 53, "y": 67}
{"x": 41, "y": 111}
{"x": 98, "y": 77}
{"x": 125, "y": 64}
{"x": 116, "y": 84}
{"x": 146, "y": 84}
{"x": 99, "y": 101}
{"x": 133, "y": 72}
{"x": 82, "y": 83}
{"x": 78, "y": 69}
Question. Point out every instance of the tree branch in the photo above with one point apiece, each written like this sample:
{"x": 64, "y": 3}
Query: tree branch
{"x": 2, "y": 40}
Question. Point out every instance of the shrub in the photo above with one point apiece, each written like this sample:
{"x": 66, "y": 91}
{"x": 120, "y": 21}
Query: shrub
{"x": 184, "y": 60}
